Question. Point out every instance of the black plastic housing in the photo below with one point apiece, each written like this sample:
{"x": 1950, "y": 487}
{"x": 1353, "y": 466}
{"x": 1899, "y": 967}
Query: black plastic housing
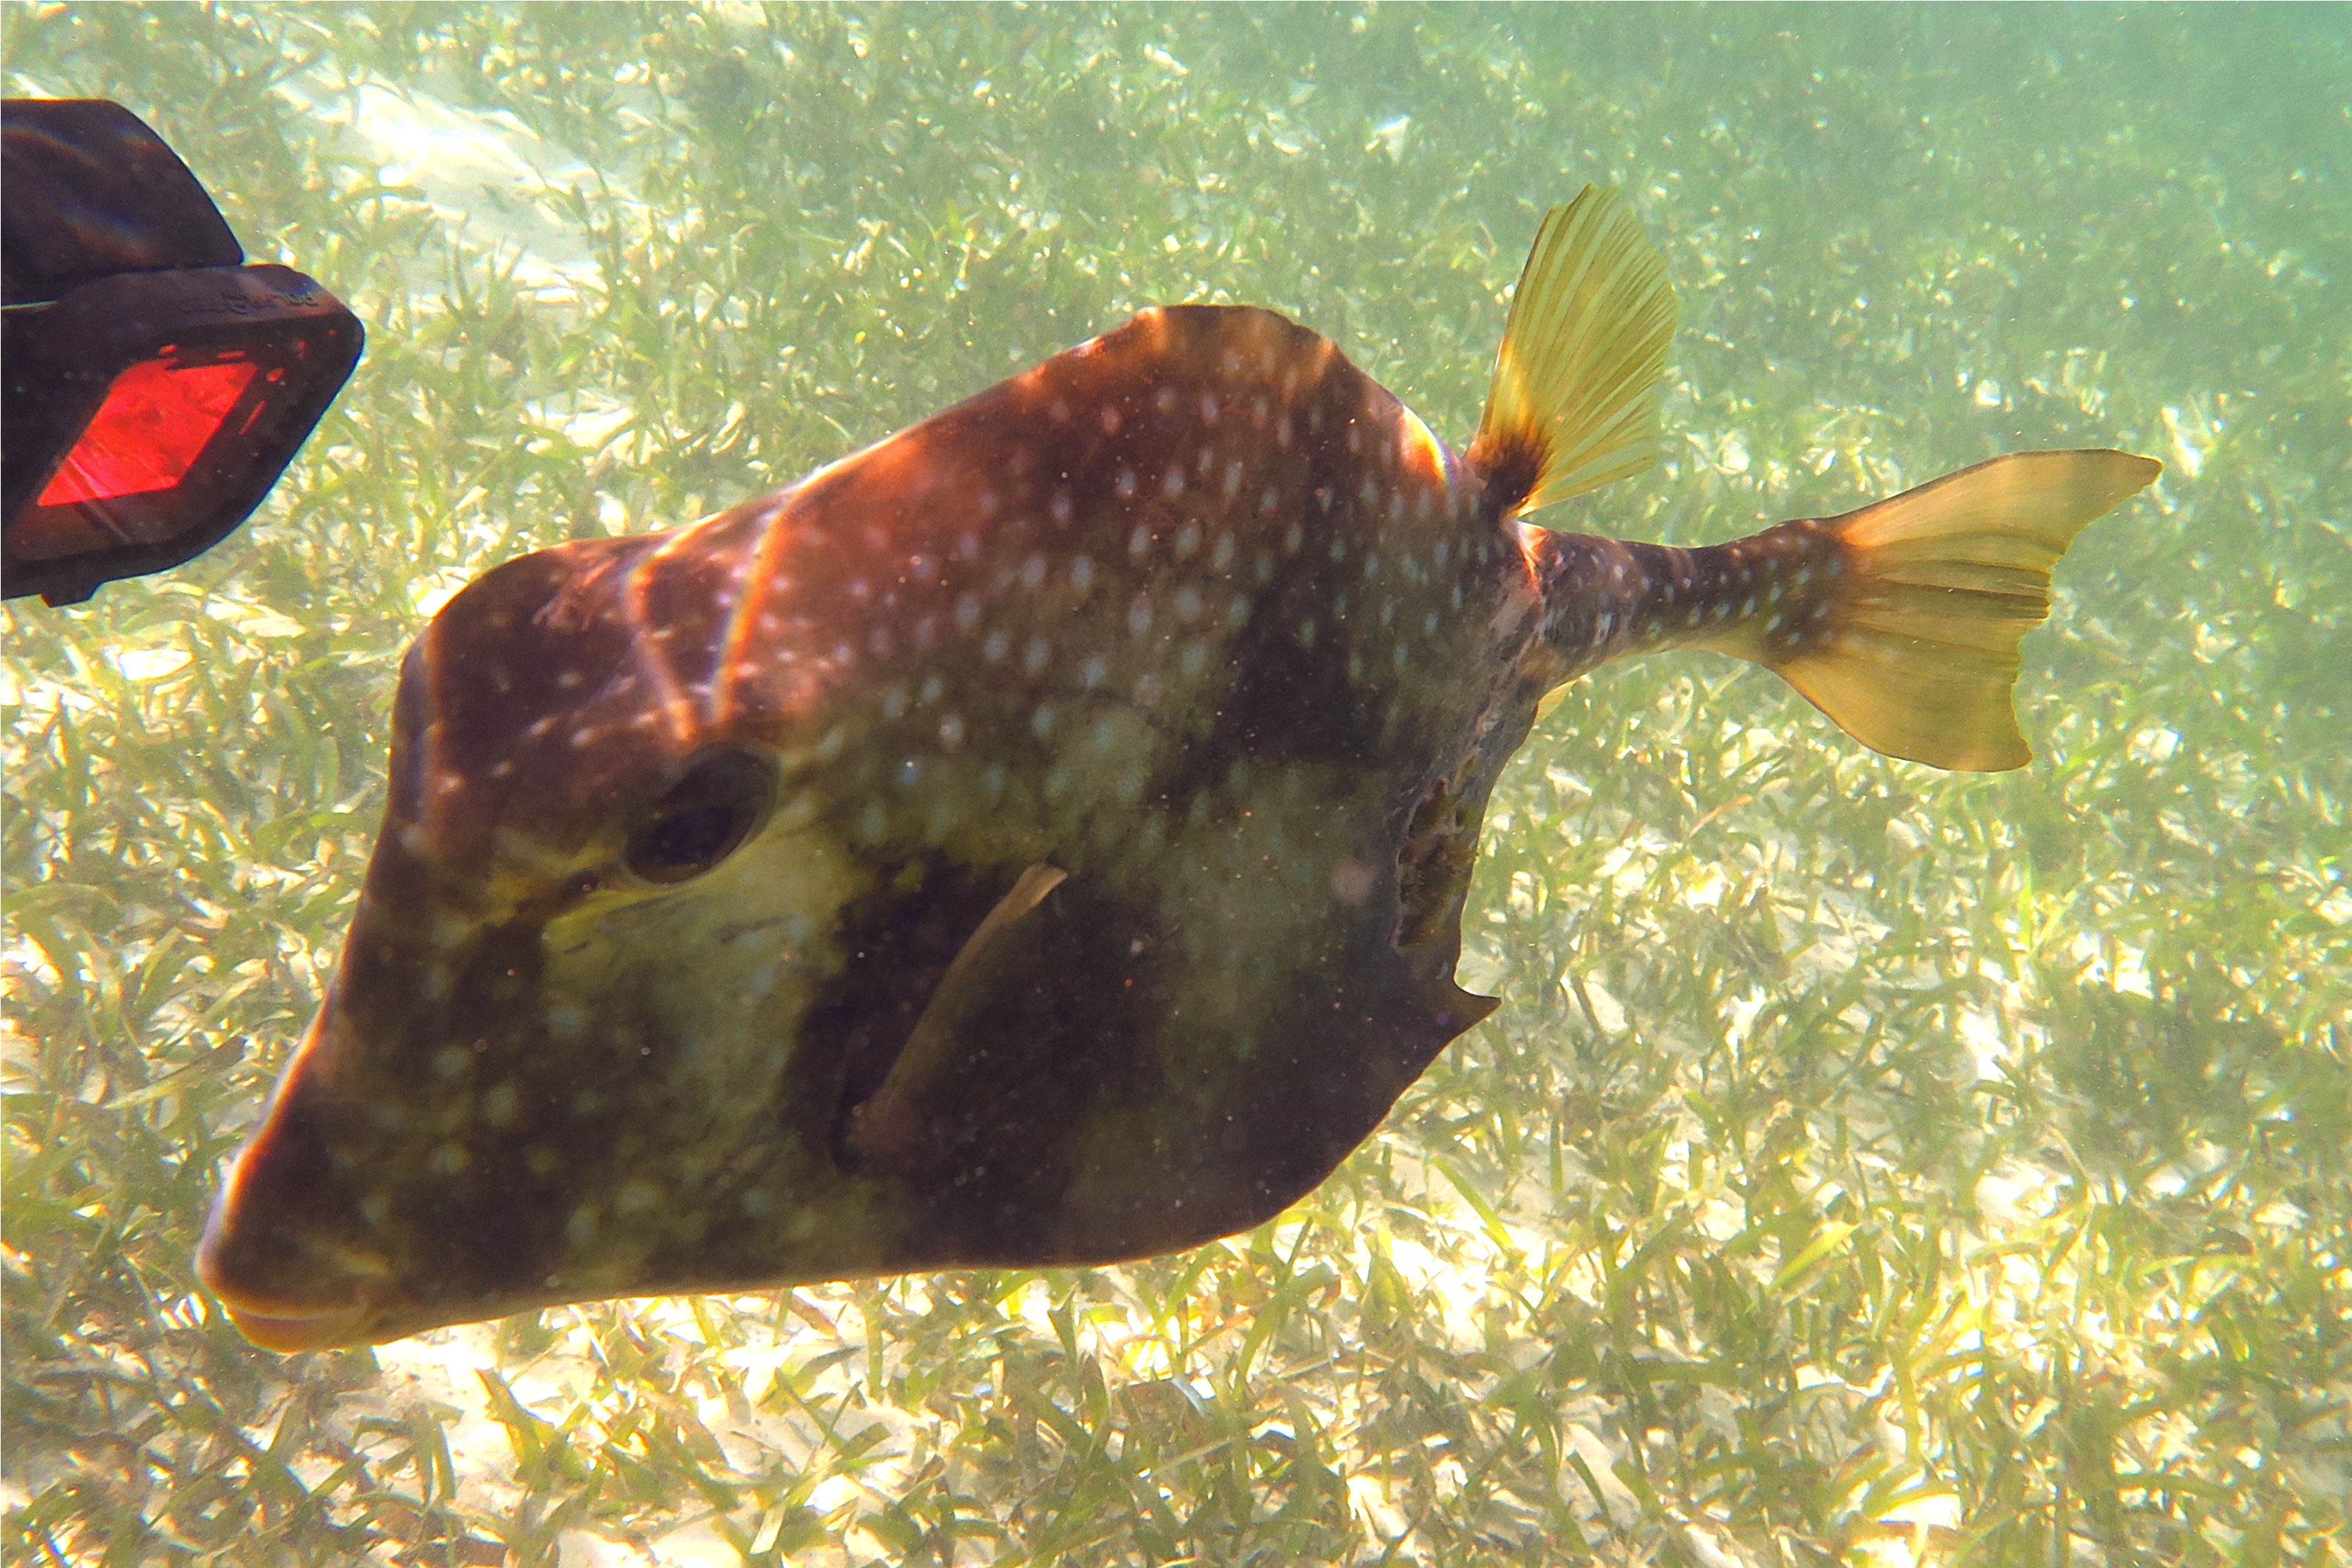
{"x": 111, "y": 254}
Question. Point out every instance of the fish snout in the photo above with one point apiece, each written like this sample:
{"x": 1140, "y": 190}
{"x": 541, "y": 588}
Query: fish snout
{"x": 285, "y": 1292}
{"x": 283, "y": 1250}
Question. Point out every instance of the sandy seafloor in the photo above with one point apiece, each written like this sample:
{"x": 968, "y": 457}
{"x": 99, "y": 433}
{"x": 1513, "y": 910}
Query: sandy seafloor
{"x": 1866, "y": 1165}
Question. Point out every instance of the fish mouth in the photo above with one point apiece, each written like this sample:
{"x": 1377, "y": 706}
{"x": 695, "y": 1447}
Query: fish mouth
{"x": 285, "y": 1326}
{"x": 334, "y": 1298}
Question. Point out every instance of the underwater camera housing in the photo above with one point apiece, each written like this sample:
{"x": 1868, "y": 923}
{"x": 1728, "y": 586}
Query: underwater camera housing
{"x": 155, "y": 384}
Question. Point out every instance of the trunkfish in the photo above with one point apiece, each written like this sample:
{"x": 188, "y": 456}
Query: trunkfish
{"x": 1040, "y": 838}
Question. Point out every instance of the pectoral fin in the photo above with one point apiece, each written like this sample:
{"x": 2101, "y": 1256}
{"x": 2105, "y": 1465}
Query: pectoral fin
{"x": 888, "y": 1128}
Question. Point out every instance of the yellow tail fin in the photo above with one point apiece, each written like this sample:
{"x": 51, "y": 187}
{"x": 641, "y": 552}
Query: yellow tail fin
{"x": 1574, "y": 403}
{"x": 1938, "y": 584}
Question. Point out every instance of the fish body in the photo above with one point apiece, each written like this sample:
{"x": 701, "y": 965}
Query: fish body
{"x": 1040, "y": 838}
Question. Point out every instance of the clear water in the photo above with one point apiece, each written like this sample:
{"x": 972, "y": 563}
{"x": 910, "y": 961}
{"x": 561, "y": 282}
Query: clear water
{"x": 1867, "y": 1163}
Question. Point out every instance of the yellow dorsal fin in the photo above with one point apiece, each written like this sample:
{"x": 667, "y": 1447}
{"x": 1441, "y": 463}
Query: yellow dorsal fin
{"x": 1939, "y": 584}
{"x": 1574, "y": 401}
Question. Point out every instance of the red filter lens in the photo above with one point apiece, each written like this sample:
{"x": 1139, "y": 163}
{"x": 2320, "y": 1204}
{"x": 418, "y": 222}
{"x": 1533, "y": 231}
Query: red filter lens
{"x": 154, "y": 424}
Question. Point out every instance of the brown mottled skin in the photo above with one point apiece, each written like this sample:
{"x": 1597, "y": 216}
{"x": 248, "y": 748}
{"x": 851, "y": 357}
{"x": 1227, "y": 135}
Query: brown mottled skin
{"x": 1197, "y": 614}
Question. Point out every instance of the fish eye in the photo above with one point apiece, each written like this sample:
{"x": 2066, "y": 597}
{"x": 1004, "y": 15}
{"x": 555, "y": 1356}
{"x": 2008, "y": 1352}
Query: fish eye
{"x": 703, "y": 817}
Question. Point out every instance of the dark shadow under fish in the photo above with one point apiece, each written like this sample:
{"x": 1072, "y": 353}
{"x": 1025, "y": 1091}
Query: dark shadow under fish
{"x": 1040, "y": 838}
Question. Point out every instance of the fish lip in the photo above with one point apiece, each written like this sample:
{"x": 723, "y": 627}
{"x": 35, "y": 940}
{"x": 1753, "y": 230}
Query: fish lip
{"x": 292, "y": 1333}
